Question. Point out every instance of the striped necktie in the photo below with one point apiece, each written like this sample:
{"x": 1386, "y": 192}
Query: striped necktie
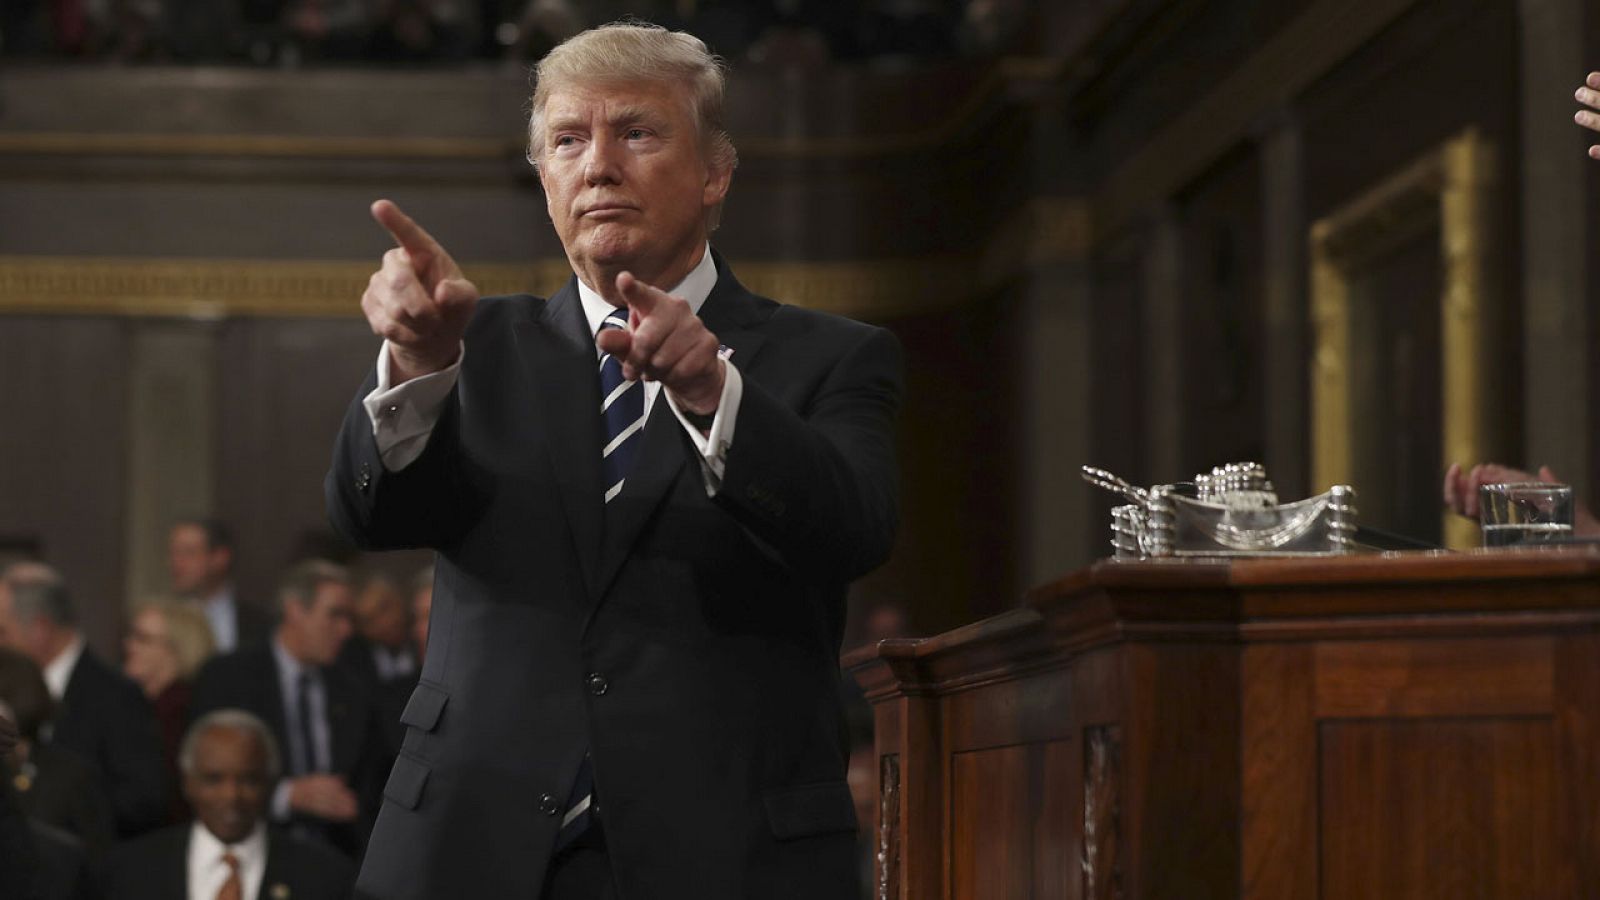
{"x": 622, "y": 410}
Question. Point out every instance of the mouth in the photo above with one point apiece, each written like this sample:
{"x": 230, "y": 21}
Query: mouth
{"x": 608, "y": 210}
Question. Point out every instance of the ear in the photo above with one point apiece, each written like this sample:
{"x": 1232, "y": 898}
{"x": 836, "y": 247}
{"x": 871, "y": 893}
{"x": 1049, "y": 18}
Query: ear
{"x": 718, "y": 179}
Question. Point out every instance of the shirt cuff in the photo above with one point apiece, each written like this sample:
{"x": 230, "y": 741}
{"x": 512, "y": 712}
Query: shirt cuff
{"x": 713, "y": 444}
{"x": 403, "y": 416}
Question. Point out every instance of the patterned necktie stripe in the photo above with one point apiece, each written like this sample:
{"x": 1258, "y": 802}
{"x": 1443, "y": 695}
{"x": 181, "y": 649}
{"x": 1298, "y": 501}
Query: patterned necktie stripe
{"x": 622, "y": 412}
{"x": 580, "y": 808}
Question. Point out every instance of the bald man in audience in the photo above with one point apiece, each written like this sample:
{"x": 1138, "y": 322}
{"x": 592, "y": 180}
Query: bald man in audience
{"x": 228, "y": 852}
{"x": 100, "y": 714}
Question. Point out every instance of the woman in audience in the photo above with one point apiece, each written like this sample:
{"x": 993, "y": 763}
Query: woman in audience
{"x": 165, "y": 645}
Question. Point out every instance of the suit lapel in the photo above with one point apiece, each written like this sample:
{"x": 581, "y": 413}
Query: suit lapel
{"x": 559, "y": 355}
{"x": 733, "y": 315}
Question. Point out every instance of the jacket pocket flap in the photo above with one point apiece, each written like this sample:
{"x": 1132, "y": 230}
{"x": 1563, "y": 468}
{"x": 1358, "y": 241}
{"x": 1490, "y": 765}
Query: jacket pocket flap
{"x": 810, "y": 809}
{"x": 425, "y": 706}
{"x": 406, "y": 781}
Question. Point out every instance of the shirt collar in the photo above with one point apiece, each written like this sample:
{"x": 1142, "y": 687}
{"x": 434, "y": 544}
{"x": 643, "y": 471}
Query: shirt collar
{"x": 695, "y": 288}
{"x": 205, "y": 849}
{"x": 287, "y": 664}
{"x": 59, "y": 671}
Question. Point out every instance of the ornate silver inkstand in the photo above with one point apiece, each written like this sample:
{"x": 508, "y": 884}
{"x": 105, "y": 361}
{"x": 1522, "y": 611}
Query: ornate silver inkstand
{"x": 1230, "y": 511}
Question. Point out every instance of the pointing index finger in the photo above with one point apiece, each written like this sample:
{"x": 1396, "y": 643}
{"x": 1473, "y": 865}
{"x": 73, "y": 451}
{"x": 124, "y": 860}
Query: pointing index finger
{"x": 406, "y": 232}
{"x": 641, "y": 298}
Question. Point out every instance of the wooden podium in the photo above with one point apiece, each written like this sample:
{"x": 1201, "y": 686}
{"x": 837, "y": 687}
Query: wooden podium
{"x": 1407, "y": 726}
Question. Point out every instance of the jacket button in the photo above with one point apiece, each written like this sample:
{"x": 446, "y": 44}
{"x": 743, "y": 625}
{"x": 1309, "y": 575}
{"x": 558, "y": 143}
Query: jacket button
{"x": 548, "y": 805}
{"x": 598, "y": 684}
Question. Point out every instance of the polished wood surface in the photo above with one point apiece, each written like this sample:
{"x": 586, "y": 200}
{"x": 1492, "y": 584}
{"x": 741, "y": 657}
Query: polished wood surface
{"x": 1403, "y": 725}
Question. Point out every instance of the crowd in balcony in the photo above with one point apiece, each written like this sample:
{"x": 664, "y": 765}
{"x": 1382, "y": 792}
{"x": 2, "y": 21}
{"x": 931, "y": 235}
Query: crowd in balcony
{"x": 290, "y": 33}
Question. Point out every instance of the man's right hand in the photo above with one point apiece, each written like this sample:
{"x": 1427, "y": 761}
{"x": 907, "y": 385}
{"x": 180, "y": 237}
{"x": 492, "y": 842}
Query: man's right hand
{"x": 418, "y": 301}
{"x": 1589, "y": 95}
{"x": 324, "y": 796}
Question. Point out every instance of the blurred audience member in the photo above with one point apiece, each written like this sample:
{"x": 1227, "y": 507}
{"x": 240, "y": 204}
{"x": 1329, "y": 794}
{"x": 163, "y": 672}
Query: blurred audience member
{"x": 54, "y": 786}
{"x": 200, "y": 561}
{"x": 229, "y": 766}
{"x": 1461, "y": 492}
{"x": 100, "y": 714}
{"x": 421, "y": 30}
{"x": 324, "y": 716}
{"x": 163, "y": 650}
{"x": 421, "y": 610}
{"x": 381, "y": 653}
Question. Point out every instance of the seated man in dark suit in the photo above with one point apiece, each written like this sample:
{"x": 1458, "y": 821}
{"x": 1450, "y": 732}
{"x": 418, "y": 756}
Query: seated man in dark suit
{"x": 323, "y": 715}
{"x": 228, "y": 853}
{"x": 381, "y": 653}
{"x": 200, "y": 561}
{"x": 100, "y": 714}
{"x": 54, "y": 786}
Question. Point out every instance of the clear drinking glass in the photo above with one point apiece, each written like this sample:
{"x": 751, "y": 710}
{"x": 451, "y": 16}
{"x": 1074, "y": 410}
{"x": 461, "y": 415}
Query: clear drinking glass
{"x": 1523, "y": 513}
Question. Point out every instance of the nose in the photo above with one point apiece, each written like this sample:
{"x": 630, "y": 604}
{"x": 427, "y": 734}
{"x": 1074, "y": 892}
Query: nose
{"x": 602, "y": 164}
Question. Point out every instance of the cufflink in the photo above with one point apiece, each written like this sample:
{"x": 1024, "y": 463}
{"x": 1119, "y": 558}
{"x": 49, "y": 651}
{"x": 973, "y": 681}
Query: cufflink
{"x": 279, "y": 891}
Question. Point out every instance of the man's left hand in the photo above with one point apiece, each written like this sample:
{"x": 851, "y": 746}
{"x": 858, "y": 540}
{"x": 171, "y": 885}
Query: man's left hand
{"x": 666, "y": 342}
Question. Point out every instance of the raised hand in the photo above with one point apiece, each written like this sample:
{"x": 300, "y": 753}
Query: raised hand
{"x": 666, "y": 342}
{"x": 1589, "y": 95}
{"x": 324, "y": 796}
{"x": 418, "y": 301}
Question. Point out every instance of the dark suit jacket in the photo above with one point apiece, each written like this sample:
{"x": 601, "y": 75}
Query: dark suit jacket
{"x": 156, "y": 867}
{"x": 64, "y": 792}
{"x": 106, "y": 719}
{"x": 689, "y": 644}
{"x": 389, "y": 695}
{"x": 248, "y": 679}
{"x": 254, "y": 624}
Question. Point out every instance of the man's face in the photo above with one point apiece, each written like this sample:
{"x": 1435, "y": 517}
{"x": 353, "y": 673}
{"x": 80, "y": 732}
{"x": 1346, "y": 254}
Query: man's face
{"x": 227, "y": 786}
{"x": 381, "y": 614}
{"x": 196, "y": 568}
{"x": 320, "y": 629}
{"x": 625, "y": 177}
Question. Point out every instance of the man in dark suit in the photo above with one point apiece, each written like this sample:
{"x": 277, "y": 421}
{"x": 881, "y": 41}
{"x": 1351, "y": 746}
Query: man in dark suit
{"x": 321, "y": 714}
{"x": 381, "y": 652}
{"x": 200, "y": 561}
{"x": 631, "y": 686}
{"x": 100, "y": 715}
{"x": 229, "y": 765}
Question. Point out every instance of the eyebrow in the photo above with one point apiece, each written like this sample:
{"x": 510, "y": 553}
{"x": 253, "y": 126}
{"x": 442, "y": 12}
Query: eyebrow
{"x": 623, "y": 115}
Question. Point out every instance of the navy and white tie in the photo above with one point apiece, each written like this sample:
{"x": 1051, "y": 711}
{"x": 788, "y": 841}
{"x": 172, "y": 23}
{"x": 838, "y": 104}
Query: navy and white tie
{"x": 622, "y": 409}
{"x": 622, "y": 412}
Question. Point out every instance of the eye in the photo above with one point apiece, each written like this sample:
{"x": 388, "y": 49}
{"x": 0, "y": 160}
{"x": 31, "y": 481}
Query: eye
{"x": 565, "y": 140}
{"x": 637, "y": 134}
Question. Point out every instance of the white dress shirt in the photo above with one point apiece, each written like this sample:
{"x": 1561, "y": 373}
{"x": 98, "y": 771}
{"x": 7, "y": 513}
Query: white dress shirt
{"x": 403, "y": 415}
{"x": 289, "y": 670}
{"x": 224, "y": 618}
{"x": 59, "y": 672}
{"x": 207, "y": 871}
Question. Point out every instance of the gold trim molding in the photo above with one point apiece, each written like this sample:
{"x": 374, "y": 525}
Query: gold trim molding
{"x": 1449, "y": 188}
{"x": 213, "y": 289}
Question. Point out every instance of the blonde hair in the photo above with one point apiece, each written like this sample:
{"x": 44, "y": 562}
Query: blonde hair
{"x": 188, "y": 634}
{"x": 634, "y": 51}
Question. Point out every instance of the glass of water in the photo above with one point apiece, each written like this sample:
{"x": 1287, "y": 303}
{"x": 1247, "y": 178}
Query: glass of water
{"x": 1523, "y": 513}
